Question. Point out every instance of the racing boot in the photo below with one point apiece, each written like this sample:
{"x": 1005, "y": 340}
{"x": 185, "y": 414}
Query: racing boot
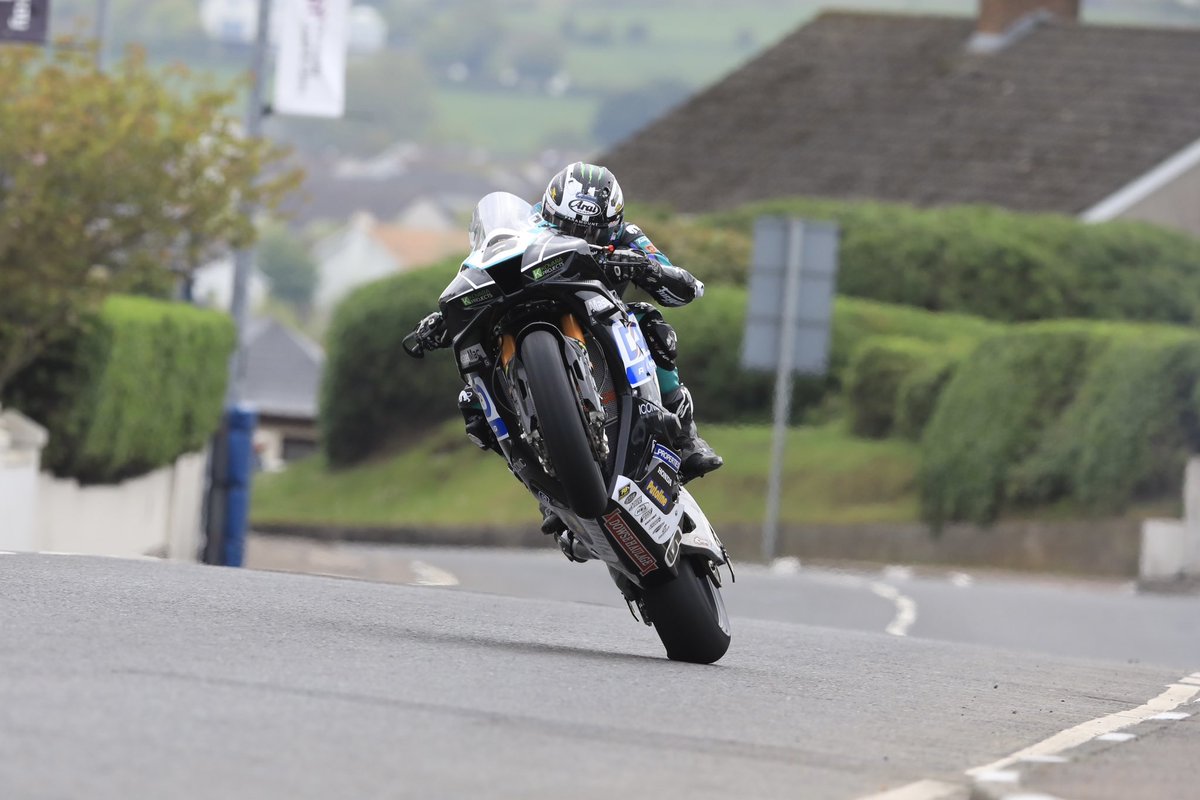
{"x": 478, "y": 429}
{"x": 697, "y": 456}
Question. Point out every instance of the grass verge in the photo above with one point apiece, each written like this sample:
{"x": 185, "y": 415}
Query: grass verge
{"x": 444, "y": 481}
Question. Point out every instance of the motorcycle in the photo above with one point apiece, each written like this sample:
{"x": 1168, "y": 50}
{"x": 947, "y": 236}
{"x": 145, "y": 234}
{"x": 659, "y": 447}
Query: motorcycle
{"x": 569, "y": 388}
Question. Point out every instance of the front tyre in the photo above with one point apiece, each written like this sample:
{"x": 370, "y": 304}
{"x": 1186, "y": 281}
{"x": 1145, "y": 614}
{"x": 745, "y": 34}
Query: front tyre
{"x": 561, "y": 424}
{"x": 689, "y": 614}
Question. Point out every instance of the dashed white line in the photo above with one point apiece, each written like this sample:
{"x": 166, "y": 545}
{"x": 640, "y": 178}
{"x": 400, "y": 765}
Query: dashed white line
{"x": 429, "y": 575}
{"x": 961, "y": 579}
{"x": 1175, "y": 695}
{"x": 998, "y": 776}
{"x": 788, "y": 565}
{"x": 1045, "y": 760}
{"x": 1105, "y": 729}
{"x": 1172, "y": 716}
{"x": 921, "y": 790}
{"x": 906, "y": 608}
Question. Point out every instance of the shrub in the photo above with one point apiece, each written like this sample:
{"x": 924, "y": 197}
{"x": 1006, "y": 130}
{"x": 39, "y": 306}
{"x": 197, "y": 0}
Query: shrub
{"x": 373, "y": 394}
{"x": 878, "y": 370}
{"x": 1096, "y": 414}
{"x": 990, "y": 262}
{"x": 143, "y": 384}
{"x": 920, "y": 391}
{"x": 372, "y": 391}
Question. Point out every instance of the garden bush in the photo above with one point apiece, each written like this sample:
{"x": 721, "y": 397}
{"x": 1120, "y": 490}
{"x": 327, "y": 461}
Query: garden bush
{"x": 984, "y": 261}
{"x": 373, "y": 394}
{"x": 143, "y": 384}
{"x": 1093, "y": 414}
{"x": 879, "y": 368}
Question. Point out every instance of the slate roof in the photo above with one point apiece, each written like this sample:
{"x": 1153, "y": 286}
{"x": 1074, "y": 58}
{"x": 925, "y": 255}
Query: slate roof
{"x": 283, "y": 371}
{"x": 893, "y": 107}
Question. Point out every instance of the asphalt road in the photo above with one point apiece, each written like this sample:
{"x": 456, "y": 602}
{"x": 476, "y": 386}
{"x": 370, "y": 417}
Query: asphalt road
{"x": 145, "y": 679}
{"x": 1047, "y": 615}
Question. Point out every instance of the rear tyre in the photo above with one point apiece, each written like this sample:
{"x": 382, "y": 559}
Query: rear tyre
{"x": 561, "y": 422}
{"x": 689, "y": 614}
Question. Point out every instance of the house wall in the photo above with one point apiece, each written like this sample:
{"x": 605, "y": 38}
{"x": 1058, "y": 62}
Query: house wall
{"x": 156, "y": 514}
{"x": 348, "y": 261}
{"x": 1176, "y": 204}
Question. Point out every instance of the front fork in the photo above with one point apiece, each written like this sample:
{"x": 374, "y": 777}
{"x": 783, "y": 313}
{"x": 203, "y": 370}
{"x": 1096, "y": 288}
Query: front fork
{"x": 579, "y": 368}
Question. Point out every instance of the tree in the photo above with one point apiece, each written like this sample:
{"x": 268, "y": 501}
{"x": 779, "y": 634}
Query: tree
{"x": 111, "y": 181}
{"x": 288, "y": 265}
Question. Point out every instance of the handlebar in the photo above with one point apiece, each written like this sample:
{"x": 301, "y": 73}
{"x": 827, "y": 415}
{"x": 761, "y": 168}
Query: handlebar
{"x": 412, "y": 346}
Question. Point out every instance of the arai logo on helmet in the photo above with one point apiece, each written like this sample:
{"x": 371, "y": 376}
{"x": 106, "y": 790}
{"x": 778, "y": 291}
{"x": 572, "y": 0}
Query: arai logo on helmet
{"x": 584, "y": 206}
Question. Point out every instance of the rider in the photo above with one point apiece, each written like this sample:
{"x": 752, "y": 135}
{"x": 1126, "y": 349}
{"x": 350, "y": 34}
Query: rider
{"x": 599, "y": 220}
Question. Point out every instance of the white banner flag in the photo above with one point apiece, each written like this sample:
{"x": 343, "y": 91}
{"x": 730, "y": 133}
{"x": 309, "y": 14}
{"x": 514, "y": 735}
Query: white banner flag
{"x": 310, "y": 72}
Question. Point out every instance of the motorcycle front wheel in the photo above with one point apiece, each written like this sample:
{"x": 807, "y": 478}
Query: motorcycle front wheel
{"x": 689, "y": 615}
{"x": 561, "y": 421}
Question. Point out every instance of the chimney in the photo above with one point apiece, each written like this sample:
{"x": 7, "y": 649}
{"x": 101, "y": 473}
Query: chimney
{"x": 997, "y": 17}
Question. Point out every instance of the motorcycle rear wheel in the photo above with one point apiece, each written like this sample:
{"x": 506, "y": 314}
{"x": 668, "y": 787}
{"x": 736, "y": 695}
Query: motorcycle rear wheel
{"x": 561, "y": 423}
{"x": 689, "y": 615}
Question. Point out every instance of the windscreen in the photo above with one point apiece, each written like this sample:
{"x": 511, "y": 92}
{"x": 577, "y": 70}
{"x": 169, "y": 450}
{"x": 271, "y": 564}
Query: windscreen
{"x": 498, "y": 212}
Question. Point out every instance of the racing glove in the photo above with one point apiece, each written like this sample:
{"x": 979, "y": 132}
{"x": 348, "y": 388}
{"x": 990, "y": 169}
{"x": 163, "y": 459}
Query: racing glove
{"x": 430, "y": 332}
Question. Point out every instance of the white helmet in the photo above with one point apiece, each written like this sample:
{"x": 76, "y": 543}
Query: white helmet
{"x": 585, "y": 200}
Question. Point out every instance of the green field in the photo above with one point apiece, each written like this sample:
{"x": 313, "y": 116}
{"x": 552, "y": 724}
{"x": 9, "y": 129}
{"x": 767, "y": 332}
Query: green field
{"x": 512, "y": 123}
{"x": 444, "y": 481}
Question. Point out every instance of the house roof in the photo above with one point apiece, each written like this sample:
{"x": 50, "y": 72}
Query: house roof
{"x": 283, "y": 370}
{"x": 419, "y": 247}
{"x": 892, "y": 107}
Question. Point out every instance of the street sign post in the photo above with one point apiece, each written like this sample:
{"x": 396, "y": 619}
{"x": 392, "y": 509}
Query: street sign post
{"x": 792, "y": 281}
{"x": 24, "y": 21}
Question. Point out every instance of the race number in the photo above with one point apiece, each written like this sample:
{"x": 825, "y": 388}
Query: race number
{"x": 635, "y": 353}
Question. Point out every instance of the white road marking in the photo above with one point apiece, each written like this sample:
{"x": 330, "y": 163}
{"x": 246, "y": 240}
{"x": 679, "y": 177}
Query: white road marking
{"x": 428, "y": 575}
{"x": 1030, "y": 796}
{"x": 1044, "y": 760}
{"x": 961, "y": 579}
{"x": 1175, "y": 695}
{"x": 788, "y": 565}
{"x": 906, "y": 608}
{"x": 897, "y": 572}
{"x": 1105, "y": 729}
{"x": 998, "y": 776}
{"x": 1171, "y": 715}
{"x": 7, "y": 553}
{"x": 921, "y": 790}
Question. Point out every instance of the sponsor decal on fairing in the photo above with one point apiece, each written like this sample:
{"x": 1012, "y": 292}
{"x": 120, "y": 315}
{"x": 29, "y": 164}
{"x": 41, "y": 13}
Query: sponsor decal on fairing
{"x": 643, "y": 560}
{"x": 667, "y": 457}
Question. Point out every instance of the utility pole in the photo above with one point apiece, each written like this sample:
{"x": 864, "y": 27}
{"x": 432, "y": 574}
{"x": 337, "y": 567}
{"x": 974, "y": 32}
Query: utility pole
{"x": 231, "y": 465}
{"x": 243, "y": 261}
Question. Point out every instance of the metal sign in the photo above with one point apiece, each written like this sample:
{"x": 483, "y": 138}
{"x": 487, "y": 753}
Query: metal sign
{"x": 792, "y": 282}
{"x": 794, "y": 273}
{"x": 24, "y": 20}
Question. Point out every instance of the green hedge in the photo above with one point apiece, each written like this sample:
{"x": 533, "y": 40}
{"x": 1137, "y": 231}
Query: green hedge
{"x": 880, "y": 367}
{"x": 976, "y": 260}
{"x": 141, "y": 385}
{"x": 373, "y": 394}
{"x": 1094, "y": 414}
